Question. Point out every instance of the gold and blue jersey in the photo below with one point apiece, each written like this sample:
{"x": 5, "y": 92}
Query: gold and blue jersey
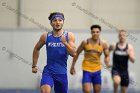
{"x": 92, "y": 60}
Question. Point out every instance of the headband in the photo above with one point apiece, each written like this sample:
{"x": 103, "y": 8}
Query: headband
{"x": 56, "y": 16}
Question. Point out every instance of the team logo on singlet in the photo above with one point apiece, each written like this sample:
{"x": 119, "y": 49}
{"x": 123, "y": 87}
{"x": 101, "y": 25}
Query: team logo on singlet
{"x": 124, "y": 53}
{"x": 54, "y": 44}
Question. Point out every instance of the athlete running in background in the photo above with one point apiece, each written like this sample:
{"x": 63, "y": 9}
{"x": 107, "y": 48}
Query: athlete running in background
{"x": 122, "y": 52}
{"x": 93, "y": 48}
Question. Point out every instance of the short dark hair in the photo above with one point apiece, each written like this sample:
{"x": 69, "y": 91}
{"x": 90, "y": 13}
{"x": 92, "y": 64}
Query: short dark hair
{"x": 55, "y": 13}
{"x": 95, "y": 26}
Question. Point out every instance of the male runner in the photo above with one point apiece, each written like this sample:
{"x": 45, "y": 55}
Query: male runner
{"x": 93, "y": 48}
{"x": 59, "y": 44}
{"x": 122, "y": 52}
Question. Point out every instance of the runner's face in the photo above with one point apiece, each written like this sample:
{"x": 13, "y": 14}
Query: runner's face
{"x": 95, "y": 32}
{"x": 122, "y": 36}
{"x": 57, "y": 24}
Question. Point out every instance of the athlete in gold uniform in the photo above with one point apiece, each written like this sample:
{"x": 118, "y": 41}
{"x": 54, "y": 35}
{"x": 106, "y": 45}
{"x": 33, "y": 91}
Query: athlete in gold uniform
{"x": 93, "y": 48}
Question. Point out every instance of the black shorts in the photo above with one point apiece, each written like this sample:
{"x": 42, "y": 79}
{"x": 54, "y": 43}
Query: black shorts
{"x": 123, "y": 75}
